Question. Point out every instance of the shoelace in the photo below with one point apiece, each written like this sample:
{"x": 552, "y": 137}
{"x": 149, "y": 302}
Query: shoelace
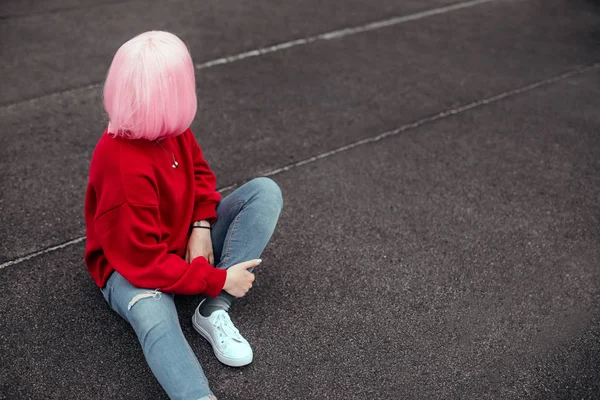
{"x": 224, "y": 324}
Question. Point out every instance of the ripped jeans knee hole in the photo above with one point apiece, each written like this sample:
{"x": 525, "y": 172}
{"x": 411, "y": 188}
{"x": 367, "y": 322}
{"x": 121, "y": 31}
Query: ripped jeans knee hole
{"x": 156, "y": 294}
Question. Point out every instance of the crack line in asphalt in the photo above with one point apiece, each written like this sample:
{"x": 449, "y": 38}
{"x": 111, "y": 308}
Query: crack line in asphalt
{"x": 373, "y": 139}
{"x": 298, "y": 42}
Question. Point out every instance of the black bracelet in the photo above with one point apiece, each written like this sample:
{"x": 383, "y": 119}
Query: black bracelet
{"x": 199, "y": 226}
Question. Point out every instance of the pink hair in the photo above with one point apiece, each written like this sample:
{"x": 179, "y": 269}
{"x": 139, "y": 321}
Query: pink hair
{"x": 150, "y": 90}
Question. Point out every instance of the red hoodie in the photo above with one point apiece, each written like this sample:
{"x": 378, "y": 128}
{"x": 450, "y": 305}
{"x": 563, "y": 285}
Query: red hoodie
{"x": 138, "y": 211}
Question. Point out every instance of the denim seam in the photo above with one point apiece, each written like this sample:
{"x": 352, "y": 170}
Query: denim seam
{"x": 235, "y": 222}
{"x": 195, "y": 360}
{"x": 233, "y": 204}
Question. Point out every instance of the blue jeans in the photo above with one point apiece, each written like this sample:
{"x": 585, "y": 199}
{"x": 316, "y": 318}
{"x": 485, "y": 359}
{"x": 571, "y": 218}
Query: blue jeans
{"x": 246, "y": 220}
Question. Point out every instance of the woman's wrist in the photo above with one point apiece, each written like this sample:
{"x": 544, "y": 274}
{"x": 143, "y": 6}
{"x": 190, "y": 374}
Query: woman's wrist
{"x": 201, "y": 224}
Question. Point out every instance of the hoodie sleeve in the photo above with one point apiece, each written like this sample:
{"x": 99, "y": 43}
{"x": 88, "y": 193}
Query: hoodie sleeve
{"x": 131, "y": 241}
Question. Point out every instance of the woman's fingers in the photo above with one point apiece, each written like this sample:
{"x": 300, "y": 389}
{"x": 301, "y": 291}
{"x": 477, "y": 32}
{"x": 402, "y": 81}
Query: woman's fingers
{"x": 250, "y": 264}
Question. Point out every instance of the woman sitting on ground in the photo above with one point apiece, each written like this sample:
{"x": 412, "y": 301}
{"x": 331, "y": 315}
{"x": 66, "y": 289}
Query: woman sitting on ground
{"x": 155, "y": 224}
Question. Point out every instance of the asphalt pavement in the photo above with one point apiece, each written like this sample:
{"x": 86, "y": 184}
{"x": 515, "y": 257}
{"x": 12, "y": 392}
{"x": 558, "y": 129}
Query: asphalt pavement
{"x": 440, "y": 168}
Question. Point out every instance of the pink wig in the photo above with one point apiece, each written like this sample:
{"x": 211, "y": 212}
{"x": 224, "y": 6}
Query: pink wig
{"x": 150, "y": 90}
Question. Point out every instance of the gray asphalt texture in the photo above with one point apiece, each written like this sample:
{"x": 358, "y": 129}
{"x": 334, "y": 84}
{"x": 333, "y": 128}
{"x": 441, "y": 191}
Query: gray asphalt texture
{"x": 440, "y": 237}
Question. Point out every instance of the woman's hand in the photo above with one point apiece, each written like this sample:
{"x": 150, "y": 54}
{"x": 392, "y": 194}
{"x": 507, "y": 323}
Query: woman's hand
{"x": 239, "y": 279}
{"x": 200, "y": 244}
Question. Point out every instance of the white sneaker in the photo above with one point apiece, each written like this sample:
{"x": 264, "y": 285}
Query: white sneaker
{"x": 227, "y": 343}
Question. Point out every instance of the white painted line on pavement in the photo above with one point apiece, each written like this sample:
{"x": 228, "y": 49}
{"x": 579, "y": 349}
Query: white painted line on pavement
{"x": 373, "y": 139}
{"x": 426, "y": 120}
{"x": 42, "y": 252}
{"x": 293, "y": 43}
{"x": 433, "y": 118}
{"x": 342, "y": 33}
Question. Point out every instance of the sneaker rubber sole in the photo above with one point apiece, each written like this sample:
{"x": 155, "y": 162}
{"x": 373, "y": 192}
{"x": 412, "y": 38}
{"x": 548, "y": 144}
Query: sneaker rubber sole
{"x": 232, "y": 362}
